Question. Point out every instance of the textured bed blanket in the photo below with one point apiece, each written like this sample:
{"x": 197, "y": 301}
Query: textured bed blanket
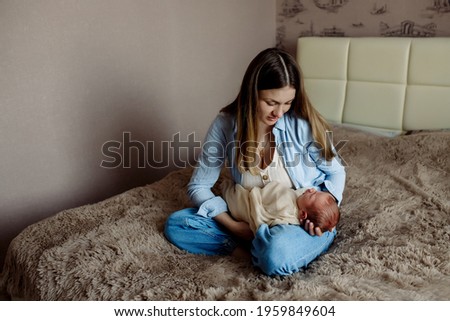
{"x": 393, "y": 240}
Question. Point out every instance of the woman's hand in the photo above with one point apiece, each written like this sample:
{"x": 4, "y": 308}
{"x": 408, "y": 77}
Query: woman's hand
{"x": 309, "y": 227}
{"x": 237, "y": 228}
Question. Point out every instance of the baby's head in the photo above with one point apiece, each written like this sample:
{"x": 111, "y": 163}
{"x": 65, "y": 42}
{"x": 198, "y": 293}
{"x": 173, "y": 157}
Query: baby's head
{"x": 318, "y": 207}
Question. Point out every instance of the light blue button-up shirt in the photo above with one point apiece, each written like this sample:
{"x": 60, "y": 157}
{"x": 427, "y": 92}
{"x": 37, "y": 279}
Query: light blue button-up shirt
{"x": 293, "y": 138}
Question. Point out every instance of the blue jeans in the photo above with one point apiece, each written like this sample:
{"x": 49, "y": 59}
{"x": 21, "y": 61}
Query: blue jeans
{"x": 277, "y": 250}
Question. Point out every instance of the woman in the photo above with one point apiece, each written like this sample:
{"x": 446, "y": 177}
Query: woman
{"x": 270, "y": 132}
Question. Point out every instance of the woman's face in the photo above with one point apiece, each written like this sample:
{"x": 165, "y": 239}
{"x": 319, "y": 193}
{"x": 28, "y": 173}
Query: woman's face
{"x": 273, "y": 103}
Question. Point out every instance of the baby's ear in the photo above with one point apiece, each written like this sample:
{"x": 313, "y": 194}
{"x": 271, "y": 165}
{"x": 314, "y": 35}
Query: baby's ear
{"x": 302, "y": 215}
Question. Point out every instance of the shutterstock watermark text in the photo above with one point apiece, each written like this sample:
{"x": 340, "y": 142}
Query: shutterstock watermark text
{"x": 186, "y": 152}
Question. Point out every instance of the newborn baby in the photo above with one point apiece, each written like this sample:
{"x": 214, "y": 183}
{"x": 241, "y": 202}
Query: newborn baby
{"x": 276, "y": 204}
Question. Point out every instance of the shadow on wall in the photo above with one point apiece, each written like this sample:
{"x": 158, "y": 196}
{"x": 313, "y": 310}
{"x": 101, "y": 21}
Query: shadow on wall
{"x": 135, "y": 151}
{"x": 126, "y": 120}
{"x": 115, "y": 110}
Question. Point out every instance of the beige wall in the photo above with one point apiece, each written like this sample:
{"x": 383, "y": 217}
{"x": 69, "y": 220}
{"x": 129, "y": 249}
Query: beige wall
{"x": 75, "y": 74}
{"x": 357, "y": 18}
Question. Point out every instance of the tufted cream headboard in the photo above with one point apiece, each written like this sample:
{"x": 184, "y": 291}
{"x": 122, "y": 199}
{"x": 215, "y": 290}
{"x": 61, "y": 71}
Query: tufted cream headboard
{"x": 386, "y": 85}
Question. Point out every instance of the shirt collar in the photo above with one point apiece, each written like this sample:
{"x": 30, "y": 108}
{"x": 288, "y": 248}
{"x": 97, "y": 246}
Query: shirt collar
{"x": 281, "y": 123}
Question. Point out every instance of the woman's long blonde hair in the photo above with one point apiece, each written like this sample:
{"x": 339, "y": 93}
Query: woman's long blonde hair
{"x": 272, "y": 68}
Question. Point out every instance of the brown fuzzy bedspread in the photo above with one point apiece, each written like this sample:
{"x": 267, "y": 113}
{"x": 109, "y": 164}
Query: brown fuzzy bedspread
{"x": 393, "y": 241}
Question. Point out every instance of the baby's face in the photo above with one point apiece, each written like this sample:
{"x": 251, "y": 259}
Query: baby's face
{"x": 312, "y": 198}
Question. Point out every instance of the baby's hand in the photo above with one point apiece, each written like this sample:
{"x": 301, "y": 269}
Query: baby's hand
{"x": 309, "y": 227}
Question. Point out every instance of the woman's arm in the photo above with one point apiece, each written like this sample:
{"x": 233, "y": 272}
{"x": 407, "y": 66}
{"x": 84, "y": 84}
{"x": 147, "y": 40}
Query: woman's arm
{"x": 334, "y": 171}
{"x": 209, "y": 167}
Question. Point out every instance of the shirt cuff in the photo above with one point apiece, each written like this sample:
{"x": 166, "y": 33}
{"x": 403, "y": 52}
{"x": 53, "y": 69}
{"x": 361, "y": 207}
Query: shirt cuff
{"x": 330, "y": 188}
{"x": 213, "y": 207}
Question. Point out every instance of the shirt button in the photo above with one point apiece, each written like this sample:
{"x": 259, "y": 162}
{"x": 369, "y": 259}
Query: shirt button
{"x": 265, "y": 177}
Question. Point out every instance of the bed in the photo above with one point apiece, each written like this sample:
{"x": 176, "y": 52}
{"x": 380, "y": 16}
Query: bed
{"x": 389, "y": 102}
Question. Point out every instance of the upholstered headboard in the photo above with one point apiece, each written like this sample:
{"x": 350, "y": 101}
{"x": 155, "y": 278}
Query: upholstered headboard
{"x": 387, "y": 85}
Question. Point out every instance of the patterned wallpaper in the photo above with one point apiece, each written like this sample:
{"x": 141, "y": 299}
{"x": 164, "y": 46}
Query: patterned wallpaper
{"x": 357, "y": 18}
